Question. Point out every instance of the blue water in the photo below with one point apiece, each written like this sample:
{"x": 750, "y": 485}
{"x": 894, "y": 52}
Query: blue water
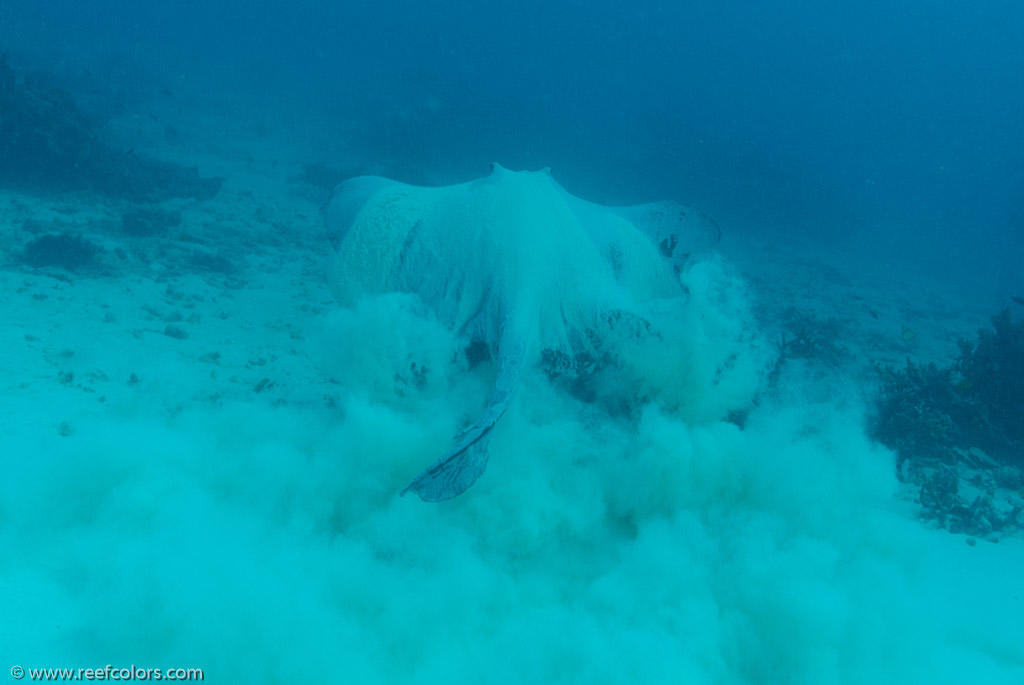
{"x": 892, "y": 124}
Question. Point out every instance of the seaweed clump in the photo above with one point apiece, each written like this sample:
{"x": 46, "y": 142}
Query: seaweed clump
{"x": 928, "y": 412}
{"x": 808, "y": 338}
{"x": 47, "y": 143}
{"x": 63, "y": 250}
{"x": 992, "y": 373}
{"x": 942, "y": 502}
{"x": 922, "y": 414}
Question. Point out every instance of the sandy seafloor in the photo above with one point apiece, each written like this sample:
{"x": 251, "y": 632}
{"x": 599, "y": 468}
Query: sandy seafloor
{"x": 229, "y": 500}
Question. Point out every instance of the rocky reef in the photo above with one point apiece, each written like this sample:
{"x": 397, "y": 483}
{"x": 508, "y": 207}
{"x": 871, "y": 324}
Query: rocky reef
{"x": 47, "y": 144}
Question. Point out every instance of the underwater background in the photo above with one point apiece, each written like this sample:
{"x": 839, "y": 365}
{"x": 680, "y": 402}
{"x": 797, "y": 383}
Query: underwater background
{"x": 203, "y": 450}
{"x": 894, "y": 122}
